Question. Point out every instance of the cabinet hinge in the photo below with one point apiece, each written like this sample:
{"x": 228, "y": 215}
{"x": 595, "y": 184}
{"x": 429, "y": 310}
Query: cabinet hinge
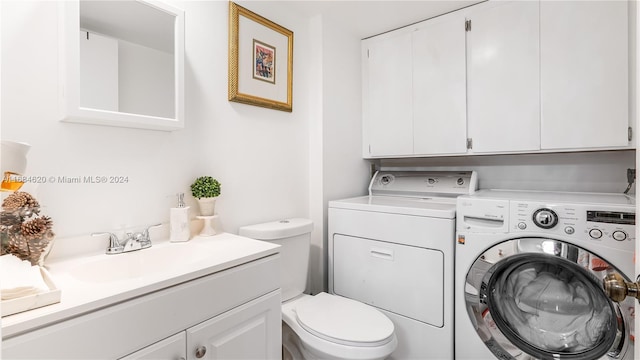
{"x": 467, "y": 25}
{"x": 630, "y": 133}
{"x": 469, "y": 143}
{"x": 369, "y": 149}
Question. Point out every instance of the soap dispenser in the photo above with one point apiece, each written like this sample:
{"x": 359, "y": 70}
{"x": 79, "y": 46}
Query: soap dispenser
{"x": 179, "y": 221}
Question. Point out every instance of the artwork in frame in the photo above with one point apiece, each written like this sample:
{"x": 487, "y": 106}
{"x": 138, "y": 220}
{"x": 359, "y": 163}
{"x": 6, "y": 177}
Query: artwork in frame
{"x": 260, "y": 60}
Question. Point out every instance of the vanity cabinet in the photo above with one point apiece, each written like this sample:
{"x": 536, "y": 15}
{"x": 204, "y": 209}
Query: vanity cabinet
{"x": 242, "y": 333}
{"x": 234, "y": 313}
{"x": 499, "y": 77}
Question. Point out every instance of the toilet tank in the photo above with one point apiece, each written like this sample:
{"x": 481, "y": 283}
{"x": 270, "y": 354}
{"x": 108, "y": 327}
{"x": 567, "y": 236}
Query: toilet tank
{"x": 294, "y": 237}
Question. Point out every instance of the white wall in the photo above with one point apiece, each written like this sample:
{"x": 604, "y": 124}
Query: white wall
{"x": 259, "y": 155}
{"x": 337, "y": 168}
{"x": 603, "y": 171}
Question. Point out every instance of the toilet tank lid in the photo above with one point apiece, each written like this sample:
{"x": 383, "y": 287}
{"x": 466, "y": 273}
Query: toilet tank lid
{"x": 277, "y": 229}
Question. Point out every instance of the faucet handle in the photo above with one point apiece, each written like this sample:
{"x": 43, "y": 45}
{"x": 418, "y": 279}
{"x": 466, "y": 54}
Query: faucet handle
{"x": 146, "y": 231}
{"x": 114, "y": 244}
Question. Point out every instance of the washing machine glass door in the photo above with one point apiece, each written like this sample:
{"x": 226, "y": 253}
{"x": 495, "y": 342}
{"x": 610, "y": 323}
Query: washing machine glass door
{"x": 540, "y": 301}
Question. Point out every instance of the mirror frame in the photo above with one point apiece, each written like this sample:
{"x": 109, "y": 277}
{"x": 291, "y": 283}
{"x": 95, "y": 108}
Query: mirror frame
{"x": 69, "y": 75}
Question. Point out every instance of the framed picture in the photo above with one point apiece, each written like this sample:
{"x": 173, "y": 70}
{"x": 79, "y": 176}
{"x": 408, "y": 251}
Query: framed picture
{"x": 260, "y": 60}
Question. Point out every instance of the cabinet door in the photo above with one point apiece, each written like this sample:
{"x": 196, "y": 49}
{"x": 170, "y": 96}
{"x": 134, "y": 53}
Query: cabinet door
{"x": 439, "y": 86}
{"x": 503, "y": 77}
{"x": 387, "y": 111}
{"x": 171, "y": 348}
{"x": 250, "y": 331}
{"x": 584, "y": 74}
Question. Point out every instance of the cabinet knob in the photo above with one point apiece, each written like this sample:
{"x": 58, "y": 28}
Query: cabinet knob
{"x": 200, "y": 351}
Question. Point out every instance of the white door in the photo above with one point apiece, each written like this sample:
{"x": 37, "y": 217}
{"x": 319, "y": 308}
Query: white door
{"x": 387, "y": 111}
{"x": 584, "y": 74}
{"x": 503, "y": 79}
{"x": 439, "y": 86}
{"x": 171, "y": 348}
{"x": 250, "y": 331}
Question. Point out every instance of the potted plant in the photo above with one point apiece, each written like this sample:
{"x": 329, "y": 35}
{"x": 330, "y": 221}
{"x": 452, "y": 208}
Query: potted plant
{"x": 206, "y": 190}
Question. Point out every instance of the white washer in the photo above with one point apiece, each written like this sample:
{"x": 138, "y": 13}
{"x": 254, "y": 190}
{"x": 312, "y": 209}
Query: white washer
{"x": 393, "y": 249}
{"x": 529, "y": 270}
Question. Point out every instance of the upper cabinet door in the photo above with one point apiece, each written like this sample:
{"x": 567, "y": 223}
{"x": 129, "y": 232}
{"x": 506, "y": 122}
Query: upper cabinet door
{"x": 439, "y": 86}
{"x": 388, "y": 125}
{"x": 503, "y": 84}
{"x": 584, "y": 70}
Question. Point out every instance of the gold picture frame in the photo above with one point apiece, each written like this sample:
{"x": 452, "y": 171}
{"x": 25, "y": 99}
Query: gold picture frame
{"x": 260, "y": 60}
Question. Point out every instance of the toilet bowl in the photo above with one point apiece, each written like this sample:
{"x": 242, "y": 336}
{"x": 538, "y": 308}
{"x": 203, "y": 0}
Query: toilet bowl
{"x": 322, "y": 326}
{"x": 327, "y": 326}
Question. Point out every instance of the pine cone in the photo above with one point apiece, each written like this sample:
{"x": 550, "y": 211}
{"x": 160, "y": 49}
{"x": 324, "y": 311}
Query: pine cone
{"x": 21, "y": 203}
{"x": 29, "y": 249}
{"x": 36, "y": 228}
{"x": 18, "y": 246}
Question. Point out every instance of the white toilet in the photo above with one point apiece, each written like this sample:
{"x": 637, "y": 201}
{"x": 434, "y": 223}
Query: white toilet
{"x": 323, "y": 326}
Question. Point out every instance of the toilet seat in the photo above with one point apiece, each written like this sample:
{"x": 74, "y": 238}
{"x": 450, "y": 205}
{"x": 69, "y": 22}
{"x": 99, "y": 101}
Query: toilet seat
{"x": 330, "y": 342}
{"x": 344, "y": 321}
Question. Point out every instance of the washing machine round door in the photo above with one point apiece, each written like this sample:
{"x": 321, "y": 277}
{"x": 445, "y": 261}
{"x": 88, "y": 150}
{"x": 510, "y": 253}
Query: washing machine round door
{"x": 543, "y": 299}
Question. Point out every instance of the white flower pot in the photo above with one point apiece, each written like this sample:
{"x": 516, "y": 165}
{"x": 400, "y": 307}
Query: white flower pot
{"x": 207, "y": 206}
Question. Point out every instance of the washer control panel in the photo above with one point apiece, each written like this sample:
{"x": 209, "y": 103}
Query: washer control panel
{"x": 584, "y": 222}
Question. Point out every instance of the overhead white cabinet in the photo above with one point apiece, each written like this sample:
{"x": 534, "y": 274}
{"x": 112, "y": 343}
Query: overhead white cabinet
{"x": 387, "y": 106}
{"x": 500, "y": 77}
{"x": 503, "y": 82}
{"x": 585, "y": 73}
{"x": 439, "y": 86}
{"x": 414, "y": 90}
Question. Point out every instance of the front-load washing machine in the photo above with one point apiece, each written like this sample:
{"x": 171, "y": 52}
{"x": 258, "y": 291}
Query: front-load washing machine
{"x": 393, "y": 249}
{"x": 529, "y": 271}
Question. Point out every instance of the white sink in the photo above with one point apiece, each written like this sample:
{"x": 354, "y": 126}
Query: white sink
{"x": 136, "y": 264}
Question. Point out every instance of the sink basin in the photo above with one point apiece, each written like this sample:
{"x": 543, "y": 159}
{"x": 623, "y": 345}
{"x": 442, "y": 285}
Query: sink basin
{"x": 137, "y": 264}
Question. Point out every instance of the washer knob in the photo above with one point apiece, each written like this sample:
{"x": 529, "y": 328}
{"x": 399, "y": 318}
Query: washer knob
{"x": 595, "y": 233}
{"x": 619, "y": 235}
{"x": 545, "y": 218}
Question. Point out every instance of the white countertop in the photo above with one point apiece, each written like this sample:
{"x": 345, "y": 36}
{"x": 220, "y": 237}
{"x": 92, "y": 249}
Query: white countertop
{"x": 81, "y": 293}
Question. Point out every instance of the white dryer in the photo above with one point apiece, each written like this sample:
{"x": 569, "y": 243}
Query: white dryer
{"x": 393, "y": 249}
{"x": 529, "y": 271}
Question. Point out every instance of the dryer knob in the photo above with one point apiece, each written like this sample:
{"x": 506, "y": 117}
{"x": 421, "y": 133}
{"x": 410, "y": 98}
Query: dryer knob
{"x": 545, "y": 218}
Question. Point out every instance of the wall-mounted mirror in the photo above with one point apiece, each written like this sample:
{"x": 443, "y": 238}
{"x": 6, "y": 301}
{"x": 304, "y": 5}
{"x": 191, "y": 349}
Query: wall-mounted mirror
{"x": 122, "y": 64}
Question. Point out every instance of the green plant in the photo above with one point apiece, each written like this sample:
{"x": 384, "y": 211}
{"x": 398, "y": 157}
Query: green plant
{"x": 204, "y": 187}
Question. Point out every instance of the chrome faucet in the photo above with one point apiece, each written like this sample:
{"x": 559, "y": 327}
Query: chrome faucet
{"x": 132, "y": 242}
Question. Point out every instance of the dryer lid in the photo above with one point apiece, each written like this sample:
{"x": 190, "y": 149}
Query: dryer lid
{"x": 344, "y": 321}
